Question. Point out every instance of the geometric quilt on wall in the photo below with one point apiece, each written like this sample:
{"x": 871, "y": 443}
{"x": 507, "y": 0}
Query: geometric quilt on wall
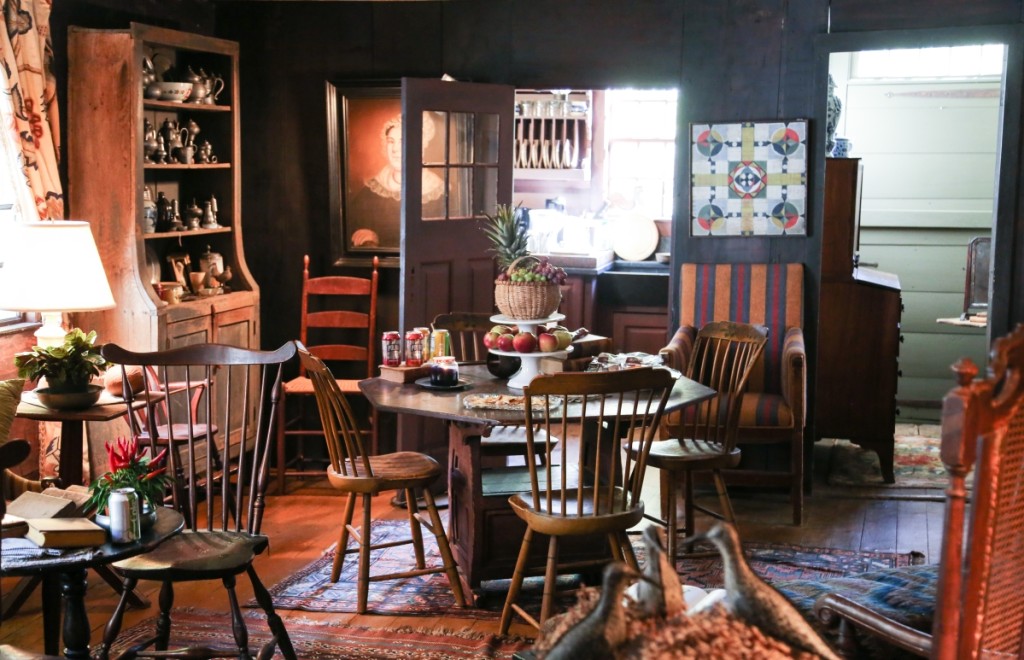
{"x": 748, "y": 179}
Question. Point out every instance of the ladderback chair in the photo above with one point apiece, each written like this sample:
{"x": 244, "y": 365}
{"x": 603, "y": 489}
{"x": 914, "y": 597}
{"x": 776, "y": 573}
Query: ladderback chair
{"x": 354, "y": 471}
{"x": 723, "y": 356}
{"x": 340, "y": 311}
{"x": 223, "y": 537}
{"x": 600, "y": 494}
{"x": 773, "y": 408}
{"x": 467, "y": 330}
{"x": 978, "y": 609}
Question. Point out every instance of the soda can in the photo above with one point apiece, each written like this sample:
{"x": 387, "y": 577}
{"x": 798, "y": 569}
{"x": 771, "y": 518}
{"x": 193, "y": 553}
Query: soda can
{"x": 427, "y": 354}
{"x": 413, "y": 349}
{"x": 441, "y": 343}
{"x": 391, "y": 348}
{"x": 125, "y": 521}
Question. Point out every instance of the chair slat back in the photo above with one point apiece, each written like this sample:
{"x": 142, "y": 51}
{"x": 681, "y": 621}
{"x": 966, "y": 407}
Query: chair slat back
{"x": 344, "y": 441}
{"x": 979, "y": 612}
{"x": 723, "y": 357}
{"x": 467, "y": 330}
{"x": 352, "y": 313}
{"x": 230, "y": 468}
{"x": 622, "y": 412}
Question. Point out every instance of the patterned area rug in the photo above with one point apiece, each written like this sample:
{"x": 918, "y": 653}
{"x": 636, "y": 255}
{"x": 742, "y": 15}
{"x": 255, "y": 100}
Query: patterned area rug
{"x": 917, "y": 463}
{"x": 317, "y": 640}
{"x": 310, "y": 588}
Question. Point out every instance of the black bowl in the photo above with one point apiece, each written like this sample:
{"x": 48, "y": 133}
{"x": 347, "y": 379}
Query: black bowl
{"x": 502, "y": 366}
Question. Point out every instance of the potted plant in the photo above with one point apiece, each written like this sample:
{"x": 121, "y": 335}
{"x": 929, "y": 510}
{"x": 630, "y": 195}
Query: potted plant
{"x": 131, "y": 467}
{"x": 68, "y": 369}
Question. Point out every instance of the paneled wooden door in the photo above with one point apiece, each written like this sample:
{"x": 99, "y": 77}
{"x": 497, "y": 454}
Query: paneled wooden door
{"x": 457, "y": 156}
{"x": 457, "y": 165}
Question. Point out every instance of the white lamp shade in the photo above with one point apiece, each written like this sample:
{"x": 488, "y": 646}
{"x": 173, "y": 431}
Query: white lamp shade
{"x": 52, "y": 267}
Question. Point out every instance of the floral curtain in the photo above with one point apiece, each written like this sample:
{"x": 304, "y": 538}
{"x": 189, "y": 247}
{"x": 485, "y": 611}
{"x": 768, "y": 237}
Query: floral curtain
{"x": 31, "y": 145}
{"x": 26, "y": 57}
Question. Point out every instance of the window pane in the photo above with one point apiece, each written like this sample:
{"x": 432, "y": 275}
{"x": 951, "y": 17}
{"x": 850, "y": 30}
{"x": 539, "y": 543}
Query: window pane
{"x": 948, "y": 62}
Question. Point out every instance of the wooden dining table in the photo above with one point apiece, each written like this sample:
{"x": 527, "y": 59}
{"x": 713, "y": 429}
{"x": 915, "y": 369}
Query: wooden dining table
{"x": 484, "y": 532}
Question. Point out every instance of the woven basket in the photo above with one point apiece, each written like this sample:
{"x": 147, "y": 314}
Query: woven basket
{"x": 526, "y": 301}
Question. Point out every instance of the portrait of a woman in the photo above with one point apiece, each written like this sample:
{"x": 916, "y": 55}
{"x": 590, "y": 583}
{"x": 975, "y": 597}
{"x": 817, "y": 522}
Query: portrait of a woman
{"x": 373, "y": 207}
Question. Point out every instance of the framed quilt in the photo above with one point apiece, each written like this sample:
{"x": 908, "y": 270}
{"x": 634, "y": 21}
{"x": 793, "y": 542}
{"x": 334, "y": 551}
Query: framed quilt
{"x": 748, "y": 178}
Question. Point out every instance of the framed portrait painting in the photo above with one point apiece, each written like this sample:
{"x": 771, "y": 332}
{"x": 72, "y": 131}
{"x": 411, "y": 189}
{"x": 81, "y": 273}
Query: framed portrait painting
{"x": 364, "y": 137}
{"x": 748, "y": 178}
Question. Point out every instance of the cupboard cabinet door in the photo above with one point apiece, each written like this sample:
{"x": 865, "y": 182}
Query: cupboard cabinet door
{"x": 646, "y": 332}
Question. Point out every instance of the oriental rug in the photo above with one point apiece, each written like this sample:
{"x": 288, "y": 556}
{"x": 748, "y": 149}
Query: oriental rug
{"x": 917, "y": 463}
{"x": 310, "y": 588}
{"x": 320, "y": 640}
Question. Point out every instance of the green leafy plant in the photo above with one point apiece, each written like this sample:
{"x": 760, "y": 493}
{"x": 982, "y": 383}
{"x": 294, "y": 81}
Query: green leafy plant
{"x": 507, "y": 234}
{"x": 68, "y": 367}
{"x": 130, "y": 467}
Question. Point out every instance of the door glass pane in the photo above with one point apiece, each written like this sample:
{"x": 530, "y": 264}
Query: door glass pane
{"x": 434, "y": 193}
{"x": 460, "y": 147}
{"x": 435, "y": 131}
{"x": 486, "y": 139}
{"x": 485, "y": 190}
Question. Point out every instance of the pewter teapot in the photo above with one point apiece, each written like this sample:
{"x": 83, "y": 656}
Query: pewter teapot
{"x": 174, "y": 134}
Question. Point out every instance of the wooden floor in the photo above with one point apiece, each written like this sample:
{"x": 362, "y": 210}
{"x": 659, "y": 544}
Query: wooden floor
{"x": 304, "y": 522}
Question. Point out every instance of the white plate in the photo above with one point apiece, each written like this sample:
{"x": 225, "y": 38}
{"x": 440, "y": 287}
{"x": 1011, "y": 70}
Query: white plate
{"x": 635, "y": 237}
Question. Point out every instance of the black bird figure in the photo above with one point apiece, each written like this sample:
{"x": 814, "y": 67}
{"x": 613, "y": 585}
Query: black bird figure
{"x": 599, "y": 633}
{"x": 751, "y": 599}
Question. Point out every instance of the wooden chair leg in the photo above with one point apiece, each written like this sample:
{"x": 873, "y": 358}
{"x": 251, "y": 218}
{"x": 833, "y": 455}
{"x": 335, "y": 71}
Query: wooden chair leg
{"x": 163, "y": 622}
{"x": 517, "y": 583}
{"x": 797, "y": 490}
{"x": 364, "y": 556}
{"x": 113, "y": 628}
{"x": 238, "y": 629}
{"x": 282, "y": 420}
{"x": 627, "y": 551}
{"x": 274, "y": 622}
{"x": 671, "y": 511}
{"x": 412, "y": 508}
{"x": 550, "y": 580}
{"x": 688, "y": 518}
{"x": 448, "y": 559}
{"x": 613, "y": 543}
{"x": 723, "y": 497}
{"x": 342, "y": 547}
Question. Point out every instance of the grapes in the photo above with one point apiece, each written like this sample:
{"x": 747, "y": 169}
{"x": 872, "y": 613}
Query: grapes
{"x": 540, "y": 271}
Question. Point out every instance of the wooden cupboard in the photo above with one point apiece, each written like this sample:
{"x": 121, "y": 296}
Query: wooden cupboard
{"x": 858, "y": 329}
{"x": 110, "y": 166}
{"x": 107, "y": 173}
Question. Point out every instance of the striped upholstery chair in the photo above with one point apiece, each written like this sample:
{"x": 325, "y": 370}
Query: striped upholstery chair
{"x": 773, "y": 410}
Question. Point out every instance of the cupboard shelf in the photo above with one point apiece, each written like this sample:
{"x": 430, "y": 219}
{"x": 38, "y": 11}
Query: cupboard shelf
{"x": 184, "y": 166}
{"x": 174, "y": 106}
{"x": 188, "y": 232}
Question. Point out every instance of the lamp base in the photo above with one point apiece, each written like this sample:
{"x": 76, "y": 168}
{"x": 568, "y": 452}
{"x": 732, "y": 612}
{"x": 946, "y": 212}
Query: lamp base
{"x": 50, "y": 333}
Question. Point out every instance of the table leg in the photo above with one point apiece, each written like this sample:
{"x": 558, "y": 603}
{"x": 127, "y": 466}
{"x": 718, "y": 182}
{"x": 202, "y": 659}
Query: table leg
{"x": 70, "y": 459}
{"x": 76, "y": 620}
{"x": 51, "y": 614}
{"x": 465, "y": 515}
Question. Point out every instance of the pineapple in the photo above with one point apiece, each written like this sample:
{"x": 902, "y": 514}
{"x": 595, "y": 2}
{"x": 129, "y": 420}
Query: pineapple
{"x": 507, "y": 235}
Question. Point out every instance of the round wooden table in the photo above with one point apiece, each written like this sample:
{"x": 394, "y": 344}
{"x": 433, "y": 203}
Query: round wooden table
{"x": 66, "y": 575}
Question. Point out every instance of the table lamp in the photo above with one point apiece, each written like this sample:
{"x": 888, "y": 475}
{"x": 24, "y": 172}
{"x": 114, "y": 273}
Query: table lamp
{"x": 52, "y": 267}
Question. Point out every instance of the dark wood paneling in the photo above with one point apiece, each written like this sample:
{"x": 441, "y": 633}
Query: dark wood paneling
{"x": 852, "y": 15}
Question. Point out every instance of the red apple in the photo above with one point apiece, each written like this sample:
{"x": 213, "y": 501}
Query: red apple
{"x": 547, "y": 342}
{"x": 491, "y": 339}
{"x": 525, "y": 342}
{"x": 505, "y": 342}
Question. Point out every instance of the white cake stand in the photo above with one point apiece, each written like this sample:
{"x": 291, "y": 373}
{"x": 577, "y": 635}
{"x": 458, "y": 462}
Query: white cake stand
{"x": 530, "y": 361}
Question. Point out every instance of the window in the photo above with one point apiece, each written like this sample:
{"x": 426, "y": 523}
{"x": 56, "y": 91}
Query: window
{"x": 640, "y": 137}
{"x": 14, "y": 192}
{"x": 946, "y": 62}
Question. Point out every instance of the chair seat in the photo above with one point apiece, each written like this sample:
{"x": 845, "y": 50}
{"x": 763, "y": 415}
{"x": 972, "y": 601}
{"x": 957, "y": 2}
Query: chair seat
{"x": 398, "y": 470}
{"x": 553, "y": 523}
{"x": 691, "y": 454}
{"x": 304, "y": 386}
{"x": 195, "y": 556}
